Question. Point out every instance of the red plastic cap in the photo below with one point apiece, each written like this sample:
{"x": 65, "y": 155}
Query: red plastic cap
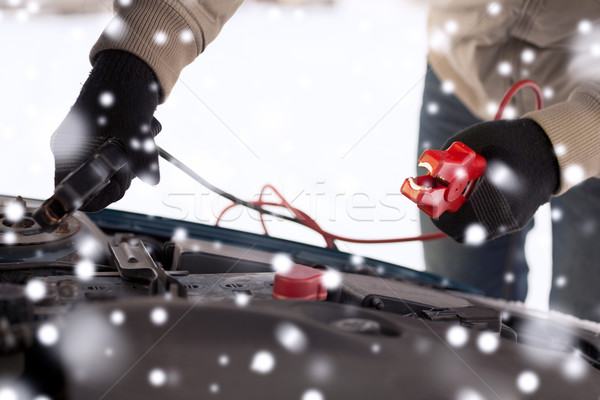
{"x": 299, "y": 282}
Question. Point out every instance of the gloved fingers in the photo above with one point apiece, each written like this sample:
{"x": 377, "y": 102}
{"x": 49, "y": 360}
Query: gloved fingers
{"x": 143, "y": 154}
{"x": 475, "y": 223}
{"x": 112, "y": 192}
{"x": 155, "y": 127}
{"x": 71, "y": 145}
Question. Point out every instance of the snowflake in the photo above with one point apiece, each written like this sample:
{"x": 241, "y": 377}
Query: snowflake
{"x": 85, "y": 270}
{"x": 527, "y": 56}
{"x": 160, "y": 38}
{"x": 509, "y": 277}
{"x": 186, "y": 36}
{"x": 157, "y": 377}
{"x": 116, "y": 29}
{"x": 213, "y": 388}
{"x": 281, "y": 263}
{"x": 475, "y": 234}
{"x": 447, "y": 87}
{"x": 502, "y": 176}
{"x": 35, "y": 289}
{"x": 125, "y": 3}
{"x": 33, "y": 7}
{"x": 574, "y": 368}
{"x": 223, "y": 360}
{"x": 528, "y": 382}
{"x": 494, "y": 8}
{"x": 548, "y": 92}
{"x": 584, "y": 27}
{"x": 438, "y": 40}
{"x": 101, "y": 121}
{"x": 331, "y": 279}
{"x": 320, "y": 369}
{"x": 556, "y": 214}
{"x": 488, "y": 342}
{"x": 451, "y": 26}
{"x": 574, "y": 174}
{"x": 468, "y": 394}
{"x": 117, "y": 317}
{"x": 504, "y": 68}
{"x": 149, "y": 145}
{"x": 242, "y": 299}
{"x": 179, "y": 234}
{"x": 88, "y": 247}
{"x": 375, "y": 348}
{"x": 312, "y": 394}
{"x": 14, "y": 211}
{"x": 159, "y": 316}
{"x": 560, "y": 150}
{"x": 108, "y": 352}
{"x": 560, "y": 281}
{"x": 47, "y": 334}
{"x": 356, "y": 260}
{"x": 106, "y": 99}
{"x": 135, "y": 143}
{"x": 9, "y": 238}
{"x": 263, "y": 362}
{"x": 457, "y": 336}
{"x": 491, "y": 108}
{"x": 291, "y": 337}
{"x": 433, "y": 108}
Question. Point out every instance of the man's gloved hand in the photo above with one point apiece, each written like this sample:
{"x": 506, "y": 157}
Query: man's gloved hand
{"x": 117, "y": 100}
{"x": 521, "y": 175}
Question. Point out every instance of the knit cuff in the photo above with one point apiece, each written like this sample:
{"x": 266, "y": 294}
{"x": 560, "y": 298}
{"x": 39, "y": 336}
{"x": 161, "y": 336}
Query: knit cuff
{"x": 155, "y": 32}
{"x": 573, "y": 127}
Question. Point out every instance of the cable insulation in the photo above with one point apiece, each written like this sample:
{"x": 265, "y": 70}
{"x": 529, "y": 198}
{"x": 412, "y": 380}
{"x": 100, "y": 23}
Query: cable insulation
{"x": 304, "y": 219}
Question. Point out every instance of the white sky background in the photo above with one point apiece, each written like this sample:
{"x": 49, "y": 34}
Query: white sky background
{"x": 280, "y": 97}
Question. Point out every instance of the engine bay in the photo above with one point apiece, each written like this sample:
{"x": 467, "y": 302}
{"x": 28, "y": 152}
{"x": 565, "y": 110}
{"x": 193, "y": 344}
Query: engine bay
{"x": 123, "y": 305}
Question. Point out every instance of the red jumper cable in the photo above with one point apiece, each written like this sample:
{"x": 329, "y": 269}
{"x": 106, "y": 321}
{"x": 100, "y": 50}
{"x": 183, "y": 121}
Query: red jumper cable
{"x": 451, "y": 178}
{"x": 452, "y": 174}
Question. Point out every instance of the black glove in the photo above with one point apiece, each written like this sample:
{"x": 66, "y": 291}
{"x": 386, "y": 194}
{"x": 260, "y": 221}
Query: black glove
{"x": 117, "y": 100}
{"x": 521, "y": 175}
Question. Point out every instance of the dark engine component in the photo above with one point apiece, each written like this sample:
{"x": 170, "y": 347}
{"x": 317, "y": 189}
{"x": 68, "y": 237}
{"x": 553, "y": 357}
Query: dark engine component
{"x": 163, "y": 317}
{"x": 24, "y": 240}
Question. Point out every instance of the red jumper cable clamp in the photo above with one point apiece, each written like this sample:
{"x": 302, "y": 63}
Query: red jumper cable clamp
{"x": 452, "y": 176}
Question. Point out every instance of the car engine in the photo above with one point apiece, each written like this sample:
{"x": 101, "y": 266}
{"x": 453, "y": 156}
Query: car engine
{"x": 119, "y": 305}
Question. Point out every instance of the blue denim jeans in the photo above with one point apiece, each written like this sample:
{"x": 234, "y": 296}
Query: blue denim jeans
{"x": 498, "y": 267}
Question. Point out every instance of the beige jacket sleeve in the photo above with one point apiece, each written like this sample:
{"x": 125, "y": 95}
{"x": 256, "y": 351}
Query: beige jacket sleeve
{"x": 573, "y": 127}
{"x": 166, "y": 34}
